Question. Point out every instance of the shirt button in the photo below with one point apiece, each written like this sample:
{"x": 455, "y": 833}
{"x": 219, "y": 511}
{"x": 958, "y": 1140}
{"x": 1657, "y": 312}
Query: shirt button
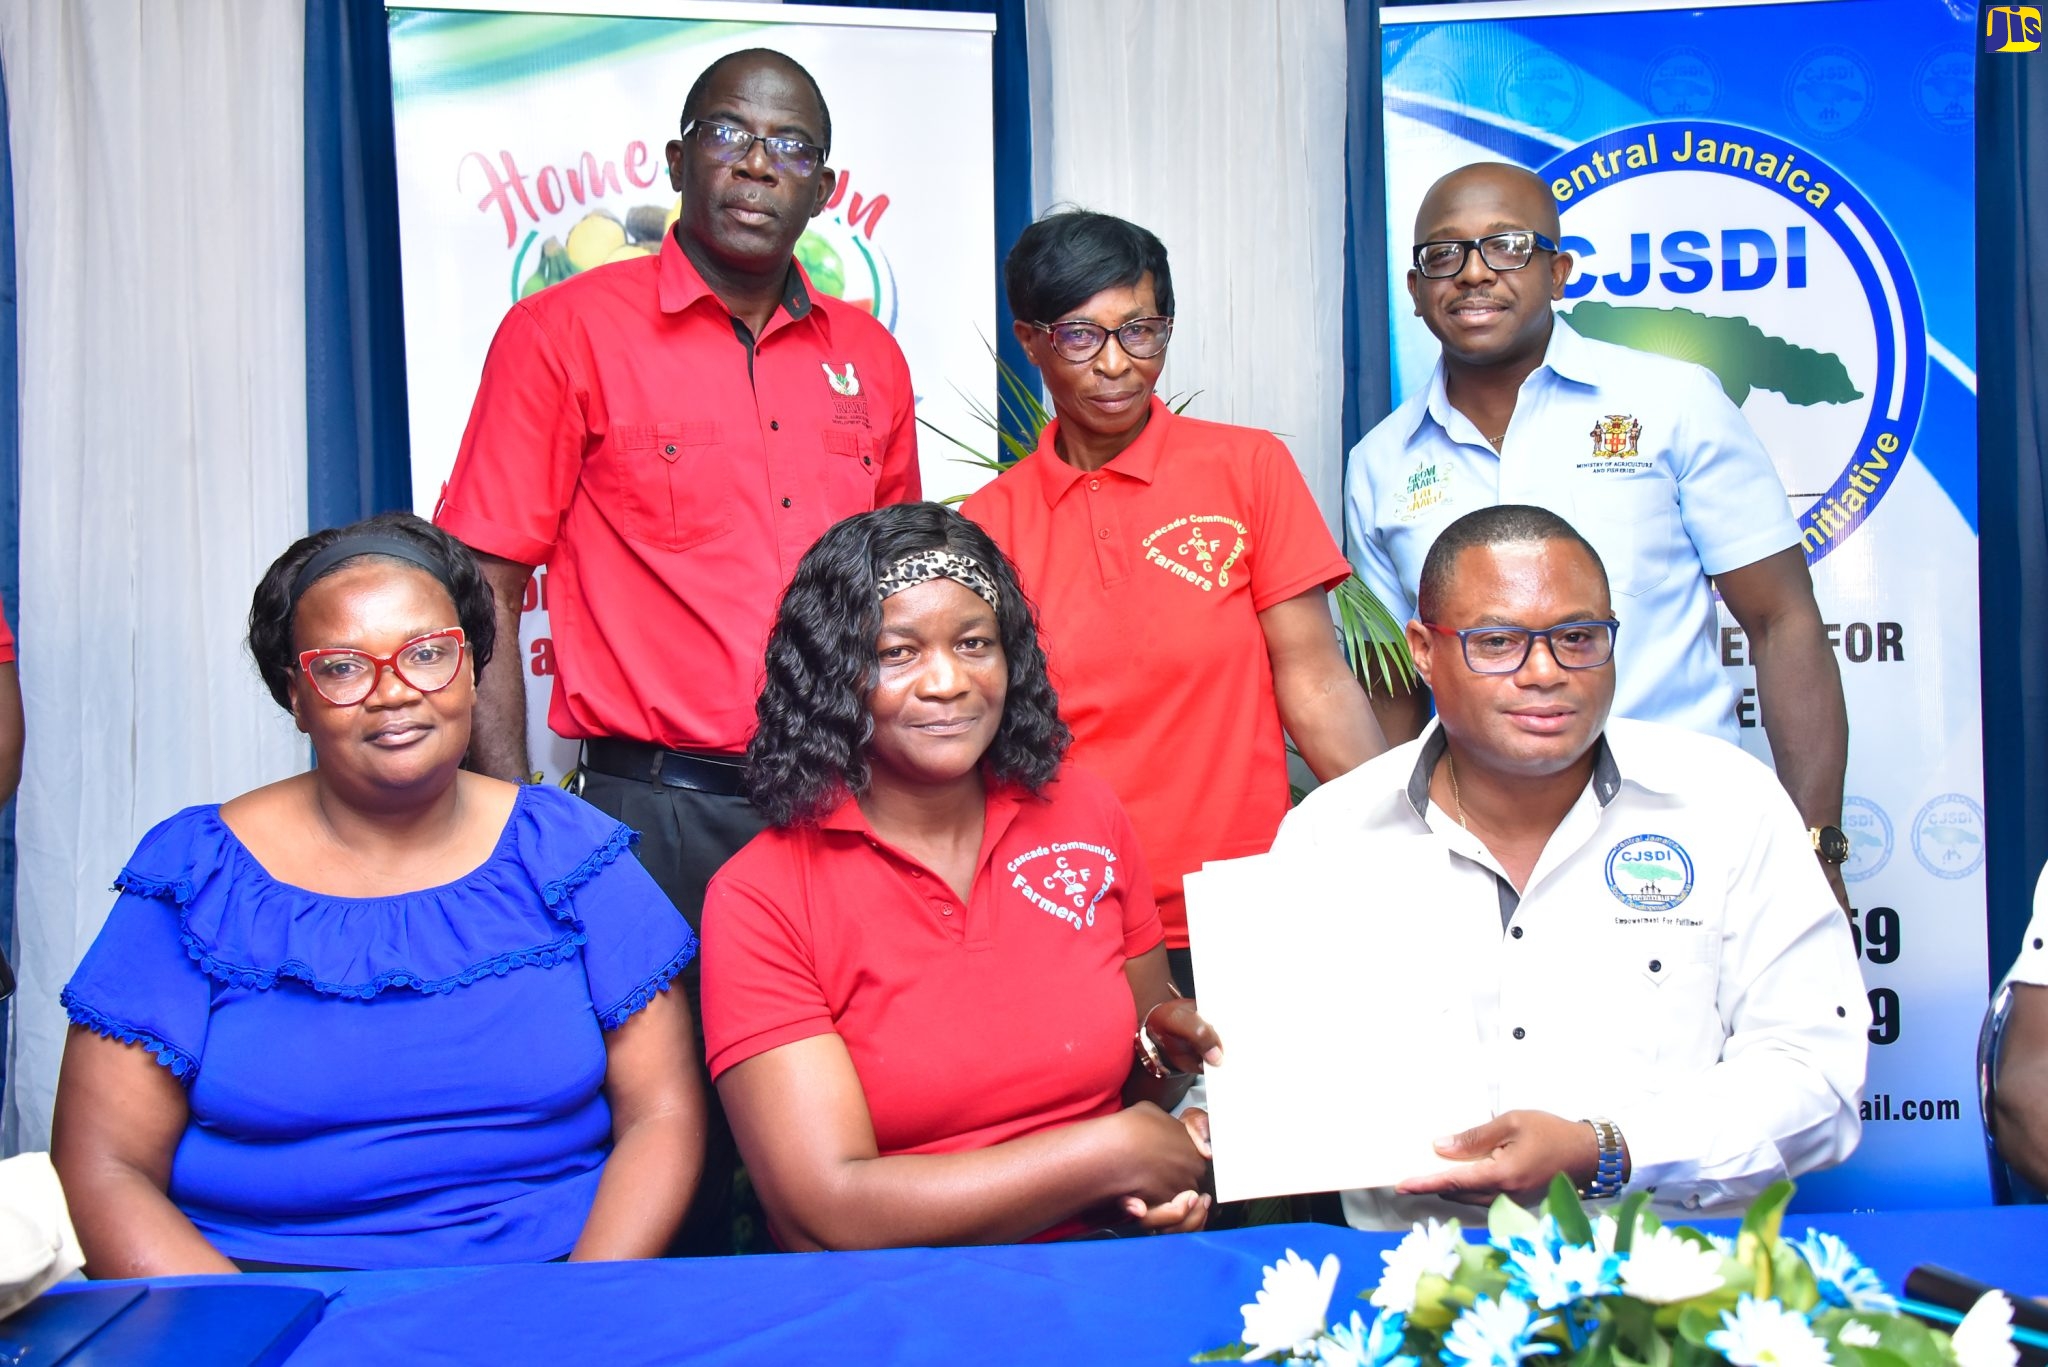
{"x": 1842, "y": 1011}
{"x": 866, "y": 460}
{"x": 945, "y": 911}
{"x": 1692, "y": 1202}
{"x": 774, "y": 426}
{"x": 1094, "y": 484}
{"x": 1656, "y": 965}
{"x": 917, "y": 873}
{"x": 786, "y": 502}
{"x": 1520, "y": 1032}
{"x": 1516, "y": 932}
{"x": 670, "y": 449}
{"x": 1104, "y": 533}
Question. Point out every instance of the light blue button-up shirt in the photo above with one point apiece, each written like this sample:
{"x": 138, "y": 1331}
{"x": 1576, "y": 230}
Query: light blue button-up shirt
{"x": 1644, "y": 455}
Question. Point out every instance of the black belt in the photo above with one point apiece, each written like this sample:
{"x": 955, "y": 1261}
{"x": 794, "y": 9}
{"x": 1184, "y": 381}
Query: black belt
{"x": 648, "y": 763}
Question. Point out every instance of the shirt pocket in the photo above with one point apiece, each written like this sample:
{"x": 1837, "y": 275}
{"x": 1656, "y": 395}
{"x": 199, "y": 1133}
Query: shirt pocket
{"x": 1632, "y": 520}
{"x": 669, "y": 483}
{"x": 852, "y": 468}
{"x": 1667, "y": 989}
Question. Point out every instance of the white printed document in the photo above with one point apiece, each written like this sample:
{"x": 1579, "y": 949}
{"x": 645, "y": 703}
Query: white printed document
{"x": 1348, "y": 1040}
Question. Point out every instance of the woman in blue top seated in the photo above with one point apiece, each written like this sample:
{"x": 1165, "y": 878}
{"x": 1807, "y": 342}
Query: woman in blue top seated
{"x": 386, "y": 1013}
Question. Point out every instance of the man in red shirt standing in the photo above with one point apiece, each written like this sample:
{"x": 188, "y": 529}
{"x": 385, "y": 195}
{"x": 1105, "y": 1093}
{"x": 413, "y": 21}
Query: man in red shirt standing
{"x": 669, "y": 435}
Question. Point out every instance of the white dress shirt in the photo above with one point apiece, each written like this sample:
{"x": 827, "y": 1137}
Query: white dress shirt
{"x": 1676, "y": 964}
{"x": 2032, "y": 965}
{"x": 1643, "y": 455}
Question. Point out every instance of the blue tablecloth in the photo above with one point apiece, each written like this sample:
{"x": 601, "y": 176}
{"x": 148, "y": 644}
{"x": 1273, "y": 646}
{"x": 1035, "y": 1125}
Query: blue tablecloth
{"x": 1126, "y": 1301}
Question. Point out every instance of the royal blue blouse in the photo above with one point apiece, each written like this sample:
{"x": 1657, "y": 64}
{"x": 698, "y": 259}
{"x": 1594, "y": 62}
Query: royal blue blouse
{"x": 406, "y": 1081}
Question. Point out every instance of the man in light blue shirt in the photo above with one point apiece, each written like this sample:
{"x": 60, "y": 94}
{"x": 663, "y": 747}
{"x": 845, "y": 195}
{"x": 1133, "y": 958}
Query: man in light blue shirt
{"x": 1644, "y": 455}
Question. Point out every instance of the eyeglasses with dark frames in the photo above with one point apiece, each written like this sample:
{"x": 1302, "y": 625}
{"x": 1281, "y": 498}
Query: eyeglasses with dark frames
{"x": 1504, "y": 650}
{"x": 345, "y": 677}
{"x": 729, "y": 146}
{"x": 1078, "y": 340}
{"x": 1509, "y": 251}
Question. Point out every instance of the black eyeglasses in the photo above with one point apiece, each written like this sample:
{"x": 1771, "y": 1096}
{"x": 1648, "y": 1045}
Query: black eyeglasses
{"x": 1503, "y": 650}
{"x": 1079, "y": 340}
{"x": 1509, "y": 251}
{"x": 728, "y": 146}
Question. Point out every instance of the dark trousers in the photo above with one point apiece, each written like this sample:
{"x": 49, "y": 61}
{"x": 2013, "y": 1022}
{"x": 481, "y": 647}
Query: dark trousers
{"x": 685, "y": 837}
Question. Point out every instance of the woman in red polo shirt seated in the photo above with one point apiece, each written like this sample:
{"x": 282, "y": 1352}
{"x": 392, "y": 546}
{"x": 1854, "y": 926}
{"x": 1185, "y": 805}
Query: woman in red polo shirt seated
{"x": 922, "y": 983}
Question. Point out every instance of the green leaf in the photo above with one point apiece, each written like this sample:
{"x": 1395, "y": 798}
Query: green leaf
{"x": 1625, "y": 1219}
{"x": 1375, "y": 644}
{"x": 1506, "y": 1220}
{"x": 1759, "y": 1236}
{"x": 1599, "y": 1350}
{"x": 1694, "y": 1324}
{"x": 1562, "y": 1203}
{"x": 1229, "y": 1352}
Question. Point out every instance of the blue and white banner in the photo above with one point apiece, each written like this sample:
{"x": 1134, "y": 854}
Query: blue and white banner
{"x": 1784, "y": 194}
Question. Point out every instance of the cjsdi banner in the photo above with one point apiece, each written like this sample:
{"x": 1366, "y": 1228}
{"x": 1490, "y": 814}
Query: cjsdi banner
{"x": 530, "y": 148}
{"x": 1783, "y": 194}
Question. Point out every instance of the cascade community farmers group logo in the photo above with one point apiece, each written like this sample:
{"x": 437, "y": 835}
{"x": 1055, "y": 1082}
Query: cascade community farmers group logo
{"x": 559, "y": 221}
{"x": 1742, "y": 252}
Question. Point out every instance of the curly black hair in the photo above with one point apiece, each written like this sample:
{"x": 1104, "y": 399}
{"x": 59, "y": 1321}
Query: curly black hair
{"x": 810, "y": 748}
{"x": 273, "y": 609}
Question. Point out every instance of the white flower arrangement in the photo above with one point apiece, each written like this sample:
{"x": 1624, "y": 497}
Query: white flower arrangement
{"x": 1623, "y": 1291}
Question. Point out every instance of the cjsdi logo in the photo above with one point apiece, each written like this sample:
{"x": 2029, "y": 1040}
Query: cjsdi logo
{"x": 2012, "y": 28}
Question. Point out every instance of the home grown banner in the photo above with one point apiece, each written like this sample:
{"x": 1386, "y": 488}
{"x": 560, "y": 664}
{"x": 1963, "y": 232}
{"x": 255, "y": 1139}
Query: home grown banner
{"x": 530, "y": 148}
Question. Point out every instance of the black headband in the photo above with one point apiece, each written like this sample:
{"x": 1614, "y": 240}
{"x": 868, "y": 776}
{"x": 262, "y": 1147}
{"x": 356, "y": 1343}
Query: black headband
{"x": 369, "y": 543}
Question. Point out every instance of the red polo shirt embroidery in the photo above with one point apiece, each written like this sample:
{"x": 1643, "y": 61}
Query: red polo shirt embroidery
{"x": 1149, "y": 576}
{"x": 827, "y": 929}
{"x": 671, "y": 474}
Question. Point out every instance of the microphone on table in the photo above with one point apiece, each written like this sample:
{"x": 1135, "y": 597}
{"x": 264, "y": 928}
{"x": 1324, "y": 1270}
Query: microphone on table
{"x": 1942, "y": 1297}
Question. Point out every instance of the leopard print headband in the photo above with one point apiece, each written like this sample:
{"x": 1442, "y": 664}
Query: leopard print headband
{"x": 921, "y": 567}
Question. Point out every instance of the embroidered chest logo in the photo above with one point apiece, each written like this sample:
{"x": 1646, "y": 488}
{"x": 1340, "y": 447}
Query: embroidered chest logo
{"x": 1065, "y": 879}
{"x": 846, "y": 385}
{"x": 1429, "y": 486}
{"x": 1200, "y": 549}
{"x": 1615, "y": 436}
{"x": 1649, "y": 873}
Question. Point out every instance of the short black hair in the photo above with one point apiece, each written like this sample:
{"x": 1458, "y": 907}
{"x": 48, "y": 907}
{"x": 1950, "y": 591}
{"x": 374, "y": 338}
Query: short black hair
{"x": 809, "y": 750}
{"x": 1504, "y": 524}
{"x": 1071, "y": 255}
{"x": 697, "y": 87}
{"x": 274, "y": 607}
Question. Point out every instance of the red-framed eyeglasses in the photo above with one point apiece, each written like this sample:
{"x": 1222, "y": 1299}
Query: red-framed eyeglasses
{"x": 345, "y": 677}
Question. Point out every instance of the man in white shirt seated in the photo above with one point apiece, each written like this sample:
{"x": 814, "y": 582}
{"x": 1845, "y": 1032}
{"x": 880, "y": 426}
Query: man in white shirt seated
{"x": 1662, "y": 984}
{"x": 2019, "y": 1120}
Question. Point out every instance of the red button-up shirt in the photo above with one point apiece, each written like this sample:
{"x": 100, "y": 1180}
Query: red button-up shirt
{"x": 670, "y": 471}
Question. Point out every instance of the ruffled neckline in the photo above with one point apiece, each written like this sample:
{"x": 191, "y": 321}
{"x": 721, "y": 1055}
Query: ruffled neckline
{"x": 246, "y": 928}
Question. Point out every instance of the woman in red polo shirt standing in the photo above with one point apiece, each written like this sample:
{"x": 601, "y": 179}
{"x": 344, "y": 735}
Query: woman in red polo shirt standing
{"x": 922, "y": 983}
{"x": 1180, "y": 568}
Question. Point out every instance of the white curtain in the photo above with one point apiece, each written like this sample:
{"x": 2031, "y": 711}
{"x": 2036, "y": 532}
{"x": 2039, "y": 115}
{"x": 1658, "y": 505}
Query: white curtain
{"x": 158, "y": 198}
{"x": 1219, "y": 125}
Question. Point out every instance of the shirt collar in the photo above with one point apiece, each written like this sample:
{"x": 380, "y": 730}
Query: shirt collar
{"x": 1139, "y": 460}
{"x": 1566, "y": 356}
{"x": 1606, "y": 771}
{"x": 683, "y": 286}
{"x": 1000, "y": 802}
